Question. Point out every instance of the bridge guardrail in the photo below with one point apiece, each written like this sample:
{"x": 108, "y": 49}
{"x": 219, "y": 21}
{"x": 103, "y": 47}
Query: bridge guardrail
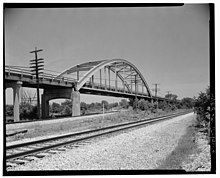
{"x": 24, "y": 71}
{"x": 102, "y": 86}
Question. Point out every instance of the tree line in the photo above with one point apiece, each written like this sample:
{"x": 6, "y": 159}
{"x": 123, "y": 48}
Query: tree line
{"x": 28, "y": 111}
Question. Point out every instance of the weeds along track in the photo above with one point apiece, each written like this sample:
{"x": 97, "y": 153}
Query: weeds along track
{"x": 25, "y": 152}
{"x": 57, "y": 118}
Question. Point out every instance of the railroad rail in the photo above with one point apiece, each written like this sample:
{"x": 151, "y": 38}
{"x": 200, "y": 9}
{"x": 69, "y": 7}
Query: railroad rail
{"x": 25, "y": 152}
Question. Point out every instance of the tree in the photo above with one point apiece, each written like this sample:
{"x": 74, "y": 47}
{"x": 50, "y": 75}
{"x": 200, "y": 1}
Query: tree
{"x": 187, "y": 103}
{"x": 83, "y": 107}
{"x": 204, "y": 107}
{"x": 106, "y": 104}
{"x": 153, "y": 107}
{"x": 163, "y": 105}
{"x": 27, "y": 111}
{"x": 135, "y": 104}
{"x": 67, "y": 110}
{"x": 67, "y": 103}
{"x": 9, "y": 110}
{"x": 124, "y": 103}
{"x": 56, "y": 108}
{"x": 143, "y": 105}
{"x": 171, "y": 96}
{"x": 91, "y": 106}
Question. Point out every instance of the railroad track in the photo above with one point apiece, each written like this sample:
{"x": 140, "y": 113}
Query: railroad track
{"x": 25, "y": 152}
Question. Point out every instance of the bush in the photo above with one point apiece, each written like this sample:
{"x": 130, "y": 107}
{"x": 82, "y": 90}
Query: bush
{"x": 143, "y": 105}
{"x": 162, "y": 105}
{"x": 66, "y": 110}
{"x": 187, "y": 103}
{"x": 135, "y": 103}
{"x": 27, "y": 111}
{"x": 9, "y": 110}
{"x": 124, "y": 103}
{"x": 153, "y": 107}
{"x": 56, "y": 108}
{"x": 204, "y": 107}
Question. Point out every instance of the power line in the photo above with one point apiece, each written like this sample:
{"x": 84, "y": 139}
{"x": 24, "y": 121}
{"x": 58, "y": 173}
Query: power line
{"x": 169, "y": 94}
{"x": 35, "y": 64}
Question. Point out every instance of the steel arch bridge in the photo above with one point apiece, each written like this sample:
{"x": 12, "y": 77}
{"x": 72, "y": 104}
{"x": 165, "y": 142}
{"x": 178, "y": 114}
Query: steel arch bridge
{"x": 115, "y": 77}
{"x": 130, "y": 78}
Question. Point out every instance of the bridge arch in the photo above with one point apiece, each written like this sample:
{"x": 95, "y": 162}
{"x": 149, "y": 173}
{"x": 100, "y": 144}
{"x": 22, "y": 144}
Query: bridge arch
{"x": 123, "y": 69}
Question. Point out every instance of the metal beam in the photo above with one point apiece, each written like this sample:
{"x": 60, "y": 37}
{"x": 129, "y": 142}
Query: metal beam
{"x": 109, "y": 82}
{"x": 116, "y": 80}
{"x": 105, "y": 77}
{"x": 92, "y": 80}
{"x": 100, "y": 77}
{"x": 122, "y": 69}
{"x": 131, "y": 83}
{"x": 130, "y": 74}
{"x": 124, "y": 80}
{"x": 77, "y": 75}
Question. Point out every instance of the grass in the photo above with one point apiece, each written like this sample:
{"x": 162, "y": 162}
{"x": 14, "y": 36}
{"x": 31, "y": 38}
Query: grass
{"x": 83, "y": 124}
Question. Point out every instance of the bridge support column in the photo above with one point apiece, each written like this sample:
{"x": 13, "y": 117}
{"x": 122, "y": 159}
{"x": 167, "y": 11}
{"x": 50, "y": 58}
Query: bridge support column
{"x": 17, "y": 100}
{"x": 16, "y": 86}
{"x": 44, "y": 106}
{"x": 75, "y": 103}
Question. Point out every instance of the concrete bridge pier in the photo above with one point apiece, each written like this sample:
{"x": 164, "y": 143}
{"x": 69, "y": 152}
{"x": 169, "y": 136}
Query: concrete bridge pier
{"x": 67, "y": 93}
{"x": 16, "y": 86}
{"x": 75, "y": 103}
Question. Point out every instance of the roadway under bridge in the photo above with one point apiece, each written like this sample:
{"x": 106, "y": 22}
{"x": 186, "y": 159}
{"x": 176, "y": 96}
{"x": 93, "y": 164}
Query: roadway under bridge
{"x": 115, "y": 77}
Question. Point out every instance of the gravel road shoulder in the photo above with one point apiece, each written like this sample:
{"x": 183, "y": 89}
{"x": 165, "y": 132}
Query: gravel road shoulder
{"x": 143, "y": 148}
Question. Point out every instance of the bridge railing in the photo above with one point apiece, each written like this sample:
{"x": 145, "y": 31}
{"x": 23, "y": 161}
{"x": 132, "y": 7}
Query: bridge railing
{"x": 25, "y": 71}
{"x": 111, "y": 88}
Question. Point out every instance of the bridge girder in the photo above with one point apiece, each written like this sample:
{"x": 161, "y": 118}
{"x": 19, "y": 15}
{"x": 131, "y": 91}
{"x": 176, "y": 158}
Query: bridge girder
{"x": 124, "y": 70}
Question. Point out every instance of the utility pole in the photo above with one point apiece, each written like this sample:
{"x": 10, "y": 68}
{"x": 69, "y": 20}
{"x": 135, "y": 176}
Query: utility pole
{"x": 168, "y": 92}
{"x": 135, "y": 81}
{"x": 169, "y": 96}
{"x": 156, "y": 89}
{"x": 36, "y": 71}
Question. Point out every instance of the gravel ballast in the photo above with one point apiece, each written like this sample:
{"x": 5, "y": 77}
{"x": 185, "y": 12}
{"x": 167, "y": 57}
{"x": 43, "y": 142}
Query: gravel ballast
{"x": 143, "y": 148}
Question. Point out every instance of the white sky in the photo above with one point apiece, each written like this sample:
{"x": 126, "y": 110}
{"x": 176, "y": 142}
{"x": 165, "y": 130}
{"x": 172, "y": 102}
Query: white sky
{"x": 169, "y": 45}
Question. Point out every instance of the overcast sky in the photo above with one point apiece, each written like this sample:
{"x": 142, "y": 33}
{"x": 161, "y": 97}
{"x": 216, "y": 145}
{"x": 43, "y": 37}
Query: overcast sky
{"x": 168, "y": 45}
